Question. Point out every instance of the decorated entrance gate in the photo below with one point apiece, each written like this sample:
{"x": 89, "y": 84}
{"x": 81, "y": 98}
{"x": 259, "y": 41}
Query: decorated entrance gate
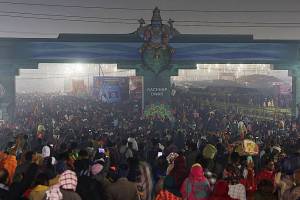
{"x": 155, "y": 50}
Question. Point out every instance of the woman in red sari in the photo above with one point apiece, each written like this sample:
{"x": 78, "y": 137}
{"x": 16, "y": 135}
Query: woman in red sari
{"x": 196, "y": 185}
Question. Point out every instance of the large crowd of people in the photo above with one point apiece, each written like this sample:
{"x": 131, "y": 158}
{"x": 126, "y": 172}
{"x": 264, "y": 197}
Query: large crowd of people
{"x": 72, "y": 148}
{"x": 242, "y": 96}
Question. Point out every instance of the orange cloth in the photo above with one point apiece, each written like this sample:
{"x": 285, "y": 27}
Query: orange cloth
{"x": 8, "y": 162}
{"x": 165, "y": 195}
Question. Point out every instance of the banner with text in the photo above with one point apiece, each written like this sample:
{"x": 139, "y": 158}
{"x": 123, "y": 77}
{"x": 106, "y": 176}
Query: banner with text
{"x": 157, "y": 88}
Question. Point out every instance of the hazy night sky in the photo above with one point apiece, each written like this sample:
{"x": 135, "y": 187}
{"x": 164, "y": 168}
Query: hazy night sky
{"x": 13, "y": 24}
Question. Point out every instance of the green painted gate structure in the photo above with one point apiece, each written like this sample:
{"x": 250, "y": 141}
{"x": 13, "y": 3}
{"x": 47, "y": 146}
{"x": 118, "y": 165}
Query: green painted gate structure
{"x": 156, "y": 50}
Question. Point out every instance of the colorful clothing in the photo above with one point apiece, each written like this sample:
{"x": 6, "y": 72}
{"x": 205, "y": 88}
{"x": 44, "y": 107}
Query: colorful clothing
{"x": 166, "y": 195}
{"x": 54, "y": 193}
{"x": 220, "y": 191}
{"x": 67, "y": 181}
{"x": 237, "y": 191}
{"x": 38, "y": 192}
{"x": 8, "y": 162}
{"x": 250, "y": 183}
{"x": 265, "y": 175}
{"x": 196, "y": 186}
{"x": 170, "y": 186}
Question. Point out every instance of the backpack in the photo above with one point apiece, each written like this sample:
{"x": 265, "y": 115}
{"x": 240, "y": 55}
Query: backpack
{"x": 209, "y": 151}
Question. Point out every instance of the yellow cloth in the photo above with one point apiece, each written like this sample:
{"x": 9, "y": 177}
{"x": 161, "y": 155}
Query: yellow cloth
{"x": 38, "y": 192}
{"x": 54, "y": 181}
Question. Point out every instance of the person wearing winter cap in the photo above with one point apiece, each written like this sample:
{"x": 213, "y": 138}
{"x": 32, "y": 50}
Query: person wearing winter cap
{"x": 134, "y": 143}
{"x": 200, "y": 188}
{"x": 46, "y": 153}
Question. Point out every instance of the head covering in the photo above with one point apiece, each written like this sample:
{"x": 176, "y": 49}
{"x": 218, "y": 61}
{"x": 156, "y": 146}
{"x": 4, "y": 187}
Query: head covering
{"x": 100, "y": 161}
{"x": 41, "y": 128}
{"x": 179, "y": 171}
{"x": 68, "y": 180}
{"x": 46, "y": 151}
{"x": 197, "y": 173}
{"x": 156, "y": 18}
{"x": 96, "y": 169}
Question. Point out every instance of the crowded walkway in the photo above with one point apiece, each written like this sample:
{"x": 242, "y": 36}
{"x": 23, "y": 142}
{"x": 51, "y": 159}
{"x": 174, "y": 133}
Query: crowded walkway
{"x": 67, "y": 147}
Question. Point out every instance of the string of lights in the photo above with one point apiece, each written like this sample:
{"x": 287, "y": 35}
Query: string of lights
{"x": 68, "y": 16}
{"x": 79, "y": 17}
{"x": 148, "y": 9}
{"x": 66, "y": 19}
{"x": 56, "y": 17}
{"x": 205, "y": 23}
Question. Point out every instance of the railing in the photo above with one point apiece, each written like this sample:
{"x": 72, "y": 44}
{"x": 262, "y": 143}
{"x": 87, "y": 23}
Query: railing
{"x": 271, "y": 113}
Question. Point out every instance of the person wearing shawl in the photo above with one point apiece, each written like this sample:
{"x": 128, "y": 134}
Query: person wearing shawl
{"x": 179, "y": 172}
{"x": 40, "y": 187}
{"x": 169, "y": 191}
{"x": 220, "y": 191}
{"x": 65, "y": 189}
{"x": 196, "y": 185}
{"x": 145, "y": 185}
{"x": 8, "y": 162}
